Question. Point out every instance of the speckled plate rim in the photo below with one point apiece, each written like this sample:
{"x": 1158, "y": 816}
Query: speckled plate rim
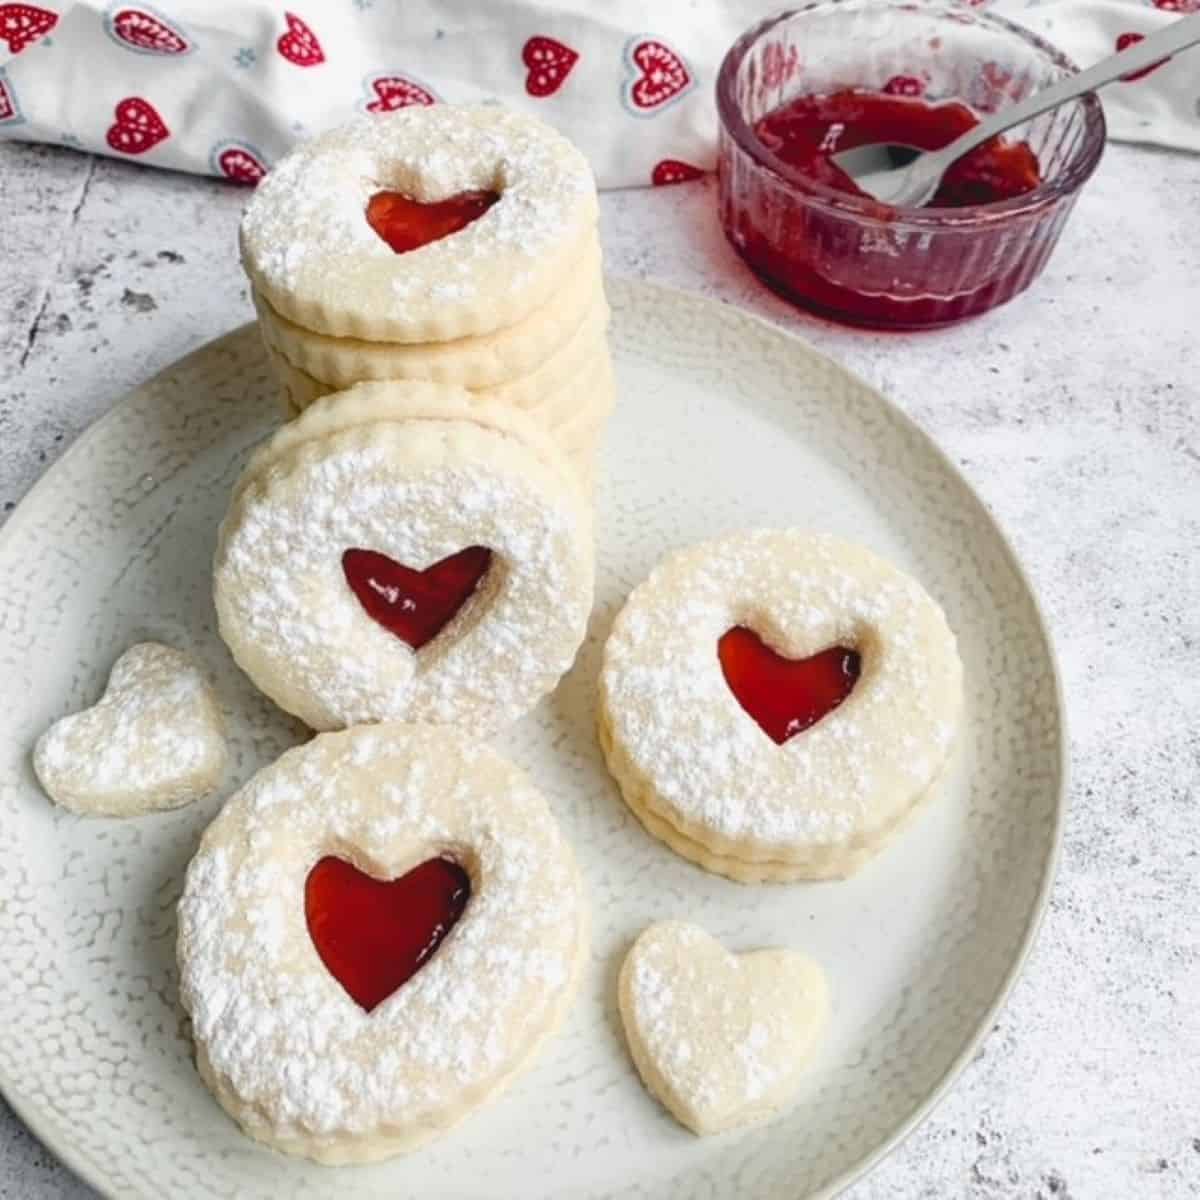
{"x": 1042, "y": 902}
{"x": 93, "y": 1173}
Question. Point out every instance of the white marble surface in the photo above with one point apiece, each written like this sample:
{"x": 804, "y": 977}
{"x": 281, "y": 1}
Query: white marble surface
{"x": 1076, "y": 413}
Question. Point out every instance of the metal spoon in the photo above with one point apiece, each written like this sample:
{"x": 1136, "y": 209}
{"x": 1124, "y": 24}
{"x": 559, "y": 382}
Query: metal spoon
{"x": 908, "y": 177}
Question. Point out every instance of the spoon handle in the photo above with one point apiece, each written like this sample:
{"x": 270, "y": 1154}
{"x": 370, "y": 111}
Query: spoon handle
{"x": 1179, "y": 35}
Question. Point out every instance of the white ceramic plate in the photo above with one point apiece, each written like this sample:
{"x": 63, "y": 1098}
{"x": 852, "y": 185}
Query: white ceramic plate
{"x": 724, "y": 422}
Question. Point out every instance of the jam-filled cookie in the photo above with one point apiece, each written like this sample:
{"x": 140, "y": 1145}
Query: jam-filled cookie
{"x": 571, "y": 392}
{"x": 773, "y": 705}
{"x": 376, "y": 935}
{"x": 398, "y": 552}
{"x": 427, "y": 224}
{"x": 513, "y": 356}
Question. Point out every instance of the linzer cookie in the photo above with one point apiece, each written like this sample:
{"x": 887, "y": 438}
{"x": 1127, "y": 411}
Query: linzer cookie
{"x": 486, "y": 360}
{"x": 438, "y": 243}
{"x": 426, "y": 224}
{"x": 376, "y": 935}
{"x": 574, "y": 387}
{"x": 399, "y": 552}
{"x": 774, "y": 705}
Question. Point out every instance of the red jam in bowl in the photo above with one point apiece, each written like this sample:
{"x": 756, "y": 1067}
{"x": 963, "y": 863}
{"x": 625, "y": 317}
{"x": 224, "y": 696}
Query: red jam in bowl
{"x": 807, "y": 130}
{"x": 810, "y": 234}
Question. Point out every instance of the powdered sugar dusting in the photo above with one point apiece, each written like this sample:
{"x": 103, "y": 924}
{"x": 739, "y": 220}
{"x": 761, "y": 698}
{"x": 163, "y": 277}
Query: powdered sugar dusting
{"x": 306, "y": 241}
{"x": 418, "y": 492}
{"x": 700, "y": 762}
{"x": 719, "y": 1038}
{"x": 154, "y": 740}
{"x": 277, "y": 1029}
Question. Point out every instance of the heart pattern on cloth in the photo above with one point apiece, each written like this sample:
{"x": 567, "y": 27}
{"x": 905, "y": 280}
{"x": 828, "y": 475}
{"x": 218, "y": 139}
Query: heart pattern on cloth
{"x": 673, "y": 170}
{"x": 9, "y": 110}
{"x": 146, "y": 32}
{"x": 904, "y": 85}
{"x": 396, "y": 91}
{"x": 239, "y": 163}
{"x": 785, "y": 695}
{"x": 21, "y": 24}
{"x": 374, "y": 935}
{"x": 1131, "y": 39}
{"x": 414, "y": 605}
{"x": 720, "y": 1039}
{"x": 152, "y": 741}
{"x": 660, "y": 76}
{"x": 299, "y": 45}
{"x": 549, "y": 62}
{"x": 137, "y": 127}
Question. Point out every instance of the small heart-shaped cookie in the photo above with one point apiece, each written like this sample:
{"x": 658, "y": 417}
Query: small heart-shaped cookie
{"x": 153, "y": 741}
{"x": 721, "y": 1039}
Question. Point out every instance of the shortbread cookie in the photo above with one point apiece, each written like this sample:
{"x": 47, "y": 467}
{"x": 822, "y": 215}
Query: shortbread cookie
{"x": 154, "y": 740}
{"x": 763, "y": 768}
{"x": 569, "y": 366}
{"x": 399, "y": 401}
{"x": 551, "y": 386}
{"x": 575, "y": 415}
{"x": 744, "y": 871}
{"x": 350, "y": 1038}
{"x": 583, "y": 435}
{"x": 297, "y": 388}
{"x": 483, "y": 361}
{"x": 720, "y": 1039}
{"x": 309, "y": 250}
{"x": 579, "y": 426}
{"x": 400, "y": 553}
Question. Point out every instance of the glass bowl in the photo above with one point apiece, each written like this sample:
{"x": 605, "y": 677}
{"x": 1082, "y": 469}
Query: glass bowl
{"x": 836, "y": 253}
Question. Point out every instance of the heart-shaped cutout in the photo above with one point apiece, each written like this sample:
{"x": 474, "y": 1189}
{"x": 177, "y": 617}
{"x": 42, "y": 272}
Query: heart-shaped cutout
{"x": 373, "y": 935}
{"x": 785, "y": 695}
{"x": 720, "y": 1039}
{"x": 414, "y": 605}
{"x": 154, "y": 740}
{"x": 406, "y": 224}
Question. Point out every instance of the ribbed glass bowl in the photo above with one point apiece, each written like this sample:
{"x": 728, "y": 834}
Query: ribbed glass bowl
{"x": 834, "y": 252}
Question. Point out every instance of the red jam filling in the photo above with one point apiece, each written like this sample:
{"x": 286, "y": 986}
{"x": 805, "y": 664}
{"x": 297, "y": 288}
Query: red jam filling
{"x": 785, "y": 695}
{"x": 405, "y": 223}
{"x": 373, "y": 935}
{"x": 807, "y": 130}
{"x": 414, "y": 605}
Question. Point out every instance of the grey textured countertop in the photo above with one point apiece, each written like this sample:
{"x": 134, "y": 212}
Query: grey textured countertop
{"x": 1075, "y": 411}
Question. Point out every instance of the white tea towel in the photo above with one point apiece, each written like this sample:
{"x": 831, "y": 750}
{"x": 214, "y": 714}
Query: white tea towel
{"x": 227, "y": 86}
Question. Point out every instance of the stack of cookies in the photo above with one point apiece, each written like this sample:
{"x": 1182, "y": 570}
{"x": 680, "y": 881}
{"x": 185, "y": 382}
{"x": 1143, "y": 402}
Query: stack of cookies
{"x": 444, "y": 244}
